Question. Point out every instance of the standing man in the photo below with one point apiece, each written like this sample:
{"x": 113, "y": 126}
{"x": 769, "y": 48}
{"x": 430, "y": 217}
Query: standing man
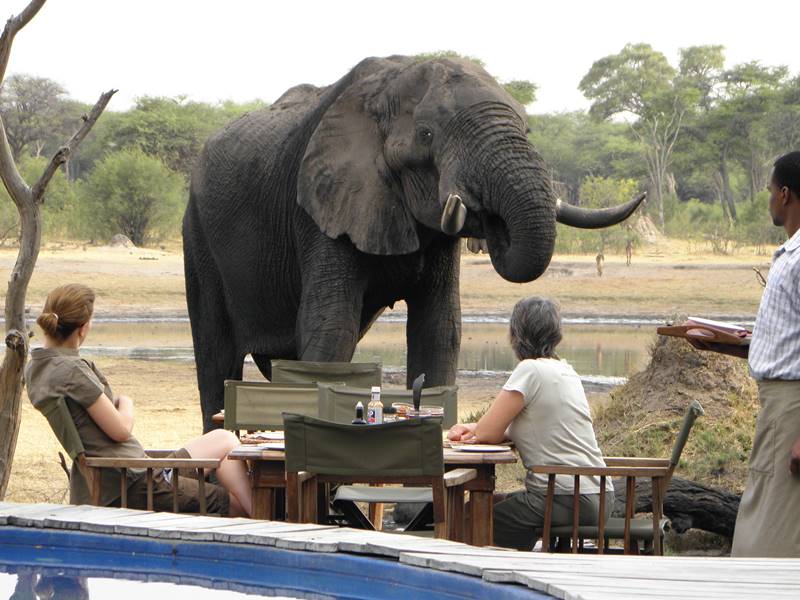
{"x": 768, "y": 522}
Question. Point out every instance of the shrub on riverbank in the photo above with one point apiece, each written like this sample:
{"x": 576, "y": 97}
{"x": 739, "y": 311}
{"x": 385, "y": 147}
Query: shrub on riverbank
{"x": 643, "y": 416}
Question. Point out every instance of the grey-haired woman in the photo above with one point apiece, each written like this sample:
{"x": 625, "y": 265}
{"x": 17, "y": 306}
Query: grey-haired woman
{"x": 542, "y": 408}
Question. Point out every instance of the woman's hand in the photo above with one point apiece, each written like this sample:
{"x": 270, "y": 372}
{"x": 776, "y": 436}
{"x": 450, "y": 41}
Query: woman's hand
{"x": 462, "y": 433}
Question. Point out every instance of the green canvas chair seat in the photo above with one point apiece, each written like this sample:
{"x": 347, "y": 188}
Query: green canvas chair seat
{"x": 355, "y": 374}
{"x": 386, "y": 495}
{"x": 337, "y": 402}
{"x": 255, "y": 405}
{"x": 405, "y": 452}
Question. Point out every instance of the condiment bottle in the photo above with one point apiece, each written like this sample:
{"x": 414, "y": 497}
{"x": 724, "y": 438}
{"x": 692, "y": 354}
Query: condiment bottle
{"x": 359, "y": 420}
{"x": 389, "y": 414}
{"x": 375, "y": 407}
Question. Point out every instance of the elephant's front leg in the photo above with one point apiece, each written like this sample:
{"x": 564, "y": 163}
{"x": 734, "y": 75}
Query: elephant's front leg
{"x": 330, "y": 315}
{"x": 433, "y": 330}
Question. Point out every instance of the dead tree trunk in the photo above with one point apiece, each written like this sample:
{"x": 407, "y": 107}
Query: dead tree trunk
{"x": 687, "y": 505}
{"x": 28, "y": 201}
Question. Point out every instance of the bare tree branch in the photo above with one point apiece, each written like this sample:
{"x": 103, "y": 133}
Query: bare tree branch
{"x": 13, "y": 25}
{"x": 63, "y": 153}
{"x": 17, "y": 188}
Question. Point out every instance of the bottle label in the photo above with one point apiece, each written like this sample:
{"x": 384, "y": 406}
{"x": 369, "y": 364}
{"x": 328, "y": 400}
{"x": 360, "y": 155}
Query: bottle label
{"x": 374, "y": 416}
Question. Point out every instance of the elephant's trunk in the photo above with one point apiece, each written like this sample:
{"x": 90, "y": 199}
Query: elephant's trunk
{"x": 521, "y": 230}
{"x": 507, "y": 192}
{"x": 512, "y": 185}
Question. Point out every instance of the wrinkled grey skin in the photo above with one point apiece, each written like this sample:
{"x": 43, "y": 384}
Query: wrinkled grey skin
{"x": 307, "y": 219}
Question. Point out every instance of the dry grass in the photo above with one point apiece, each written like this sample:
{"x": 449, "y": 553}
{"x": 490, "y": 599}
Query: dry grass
{"x": 643, "y": 416}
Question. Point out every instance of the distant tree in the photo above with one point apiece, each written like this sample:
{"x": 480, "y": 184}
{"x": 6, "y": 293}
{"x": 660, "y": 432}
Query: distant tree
{"x": 133, "y": 193}
{"x": 423, "y": 56}
{"x": 639, "y": 82}
{"x": 171, "y": 129}
{"x": 35, "y": 112}
{"x": 700, "y": 67}
{"x": 575, "y": 146}
{"x": 522, "y": 91}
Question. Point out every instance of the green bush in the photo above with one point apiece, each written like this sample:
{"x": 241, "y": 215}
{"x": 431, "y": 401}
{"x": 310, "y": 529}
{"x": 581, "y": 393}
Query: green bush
{"x": 132, "y": 193}
{"x": 755, "y": 227}
{"x": 59, "y": 211}
{"x": 695, "y": 220}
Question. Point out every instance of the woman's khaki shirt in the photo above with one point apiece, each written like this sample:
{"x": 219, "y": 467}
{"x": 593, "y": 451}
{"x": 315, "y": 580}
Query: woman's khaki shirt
{"x": 54, "y": 373}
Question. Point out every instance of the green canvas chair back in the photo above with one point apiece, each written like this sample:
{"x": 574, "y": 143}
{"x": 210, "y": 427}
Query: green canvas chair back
{"x": 259, "y": 404}
{"x": 57, "y": 414}
{"x": 337, "y": 402}
{"x": 692, "y": 412}
{"x": 354, "y": 374}
{"x": 410, "y": 448}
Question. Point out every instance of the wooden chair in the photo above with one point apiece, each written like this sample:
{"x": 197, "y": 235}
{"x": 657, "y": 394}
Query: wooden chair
{"x": 336, "y": 402}
{"x": 348, "y": 373}
{"x": 406, "y": 452}
{"x": 92, "y": 467}
{"x": 629, "y": 529}
{"x": 258, "y": 405}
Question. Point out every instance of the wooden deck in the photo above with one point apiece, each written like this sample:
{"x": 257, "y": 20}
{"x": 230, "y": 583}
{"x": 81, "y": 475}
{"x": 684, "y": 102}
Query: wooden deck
{"x": 572, "y": 577}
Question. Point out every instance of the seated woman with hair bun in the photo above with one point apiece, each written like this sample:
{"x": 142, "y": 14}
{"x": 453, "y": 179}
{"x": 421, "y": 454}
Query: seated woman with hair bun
{"x": 104, "y": 420}
{"x": 542, "y": 408}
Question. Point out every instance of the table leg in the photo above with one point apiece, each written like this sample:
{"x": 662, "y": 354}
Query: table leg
{"x": 266, "y": 479}
{"x": 480, "y": 505}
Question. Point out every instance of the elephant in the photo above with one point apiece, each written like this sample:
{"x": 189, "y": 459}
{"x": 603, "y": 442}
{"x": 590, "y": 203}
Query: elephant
{"x": 310, "y": 217}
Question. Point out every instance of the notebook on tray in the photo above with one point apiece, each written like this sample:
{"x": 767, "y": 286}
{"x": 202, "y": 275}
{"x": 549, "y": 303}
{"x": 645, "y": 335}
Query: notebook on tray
{"x": 707, "y": 330}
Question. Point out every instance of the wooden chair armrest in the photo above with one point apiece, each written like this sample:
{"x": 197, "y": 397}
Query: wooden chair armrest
{"x": 303, "y": 476}
{"x": 153, "y": 463}
{"x": 625, "y": 461}
{"x": 598, "y": 471}
{"x": 459, "y": 477}
{"x": 159, "y": 452}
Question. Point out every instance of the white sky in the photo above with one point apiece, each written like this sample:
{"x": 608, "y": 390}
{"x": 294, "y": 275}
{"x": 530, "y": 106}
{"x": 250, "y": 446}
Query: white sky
{"x": 246, "y": 49}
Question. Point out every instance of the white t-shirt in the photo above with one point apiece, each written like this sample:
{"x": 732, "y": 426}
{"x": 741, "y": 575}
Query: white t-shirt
{"x": 555, "y": 426}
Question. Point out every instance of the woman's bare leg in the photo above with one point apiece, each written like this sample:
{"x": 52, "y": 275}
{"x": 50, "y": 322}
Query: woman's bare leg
{"x": 232, "y": 474}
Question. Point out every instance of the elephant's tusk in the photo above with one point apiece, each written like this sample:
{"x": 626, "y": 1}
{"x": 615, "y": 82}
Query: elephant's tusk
{"x": 586, "y": 218}
{"x": 454, "y": 215}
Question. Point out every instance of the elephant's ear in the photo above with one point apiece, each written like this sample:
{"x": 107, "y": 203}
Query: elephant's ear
{"x": 344, "y": 183}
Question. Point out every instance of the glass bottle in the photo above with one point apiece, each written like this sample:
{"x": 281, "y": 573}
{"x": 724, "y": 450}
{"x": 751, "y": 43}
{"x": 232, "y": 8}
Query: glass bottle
{"x": 375, "y": 407}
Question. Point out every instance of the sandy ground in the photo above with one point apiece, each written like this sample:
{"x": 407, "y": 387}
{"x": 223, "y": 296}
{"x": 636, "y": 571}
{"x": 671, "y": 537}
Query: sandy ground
{"x": 663, "y": 280}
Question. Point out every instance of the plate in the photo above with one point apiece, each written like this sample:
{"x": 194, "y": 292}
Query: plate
{"x": 272, "y": 446}
{"x": 480, "y": 448}
{"x": 266, "y": 435}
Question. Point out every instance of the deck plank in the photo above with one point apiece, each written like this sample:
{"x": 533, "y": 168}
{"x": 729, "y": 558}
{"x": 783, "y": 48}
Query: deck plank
{"x": 644, "y": 586}
{"x": 568, "y": 577}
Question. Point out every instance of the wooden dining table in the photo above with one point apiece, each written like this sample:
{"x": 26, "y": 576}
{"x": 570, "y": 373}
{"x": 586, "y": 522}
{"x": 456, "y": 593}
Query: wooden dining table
{"x": 267, "y": 475}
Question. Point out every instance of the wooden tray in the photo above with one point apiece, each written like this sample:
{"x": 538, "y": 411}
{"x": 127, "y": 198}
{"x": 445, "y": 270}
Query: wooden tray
{"x": 705, "y": 333}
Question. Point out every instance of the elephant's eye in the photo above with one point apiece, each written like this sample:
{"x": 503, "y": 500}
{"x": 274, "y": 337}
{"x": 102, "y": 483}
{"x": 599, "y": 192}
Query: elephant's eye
{"x": 424, "y": 135}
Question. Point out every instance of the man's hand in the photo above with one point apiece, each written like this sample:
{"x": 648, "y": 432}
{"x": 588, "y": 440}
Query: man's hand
{"x": 462, "y": 433}
{"x": 794, "y": 460}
